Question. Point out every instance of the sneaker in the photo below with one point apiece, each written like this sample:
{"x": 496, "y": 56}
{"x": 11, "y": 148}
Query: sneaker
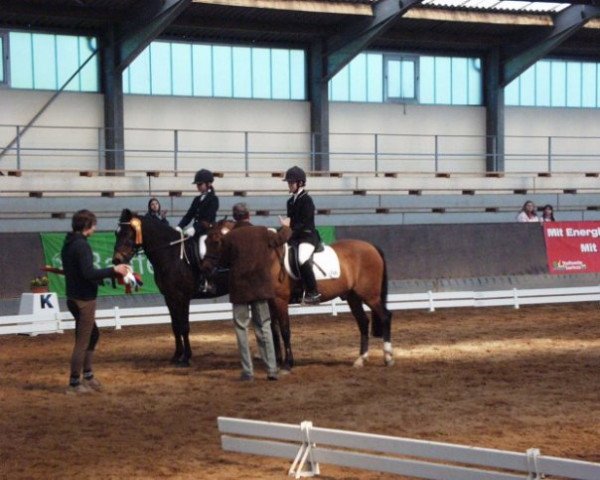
{"x": 93, "y": 384}
{"x": 312, "y": 298}
{"x": 78, "y": 389}
{"x": 246, "y": 377}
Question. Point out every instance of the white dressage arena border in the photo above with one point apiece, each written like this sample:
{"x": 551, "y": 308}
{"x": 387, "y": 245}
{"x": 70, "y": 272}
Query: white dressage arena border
{"x": 118, "y": 318}
{"x": 307, "y": 446}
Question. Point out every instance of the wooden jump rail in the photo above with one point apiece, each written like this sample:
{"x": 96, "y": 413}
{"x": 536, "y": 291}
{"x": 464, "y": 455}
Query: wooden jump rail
{"x": 308, "y": 446}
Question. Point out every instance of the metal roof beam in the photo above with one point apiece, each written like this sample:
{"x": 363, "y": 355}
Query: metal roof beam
{"x": 566, "y": 23}
{"x": 342, "y": 48}
{"x": 147, "y": 28}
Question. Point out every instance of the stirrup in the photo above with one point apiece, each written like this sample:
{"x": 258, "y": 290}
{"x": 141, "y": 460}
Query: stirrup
{"x": 312, "y": 298}
{"x": 208, "y": 287}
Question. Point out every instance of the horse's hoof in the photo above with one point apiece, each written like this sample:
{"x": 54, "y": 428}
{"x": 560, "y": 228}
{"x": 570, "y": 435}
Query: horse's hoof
{"x": 285, "y": 371}
{"x": 182, "y": 363}
{"x": 359, "y": 362}
{"x": 389, "y": 360}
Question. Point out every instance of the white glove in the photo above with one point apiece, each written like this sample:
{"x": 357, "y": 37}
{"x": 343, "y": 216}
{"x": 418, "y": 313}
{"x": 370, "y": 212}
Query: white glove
{"x": 189, "y": 232}
{"x": 178, "y": 228}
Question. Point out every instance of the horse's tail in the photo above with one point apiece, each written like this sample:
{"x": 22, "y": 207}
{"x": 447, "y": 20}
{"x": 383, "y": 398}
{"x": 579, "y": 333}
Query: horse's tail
{"x": 384, "y": 280}
{"x": 378, "y": 323}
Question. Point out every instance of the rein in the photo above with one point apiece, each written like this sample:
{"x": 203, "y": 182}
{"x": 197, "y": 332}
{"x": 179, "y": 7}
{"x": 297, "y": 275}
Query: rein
{"x": 136, "y": 224}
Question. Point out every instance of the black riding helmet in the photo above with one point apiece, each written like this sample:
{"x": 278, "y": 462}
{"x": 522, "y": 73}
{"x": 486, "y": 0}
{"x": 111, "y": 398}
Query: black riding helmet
{"x": 203, "y": 176}
{"x": 295, "y": 174}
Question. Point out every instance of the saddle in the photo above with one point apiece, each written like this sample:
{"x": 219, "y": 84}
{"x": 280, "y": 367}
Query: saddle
{"x": 324, "y": 261}
{"x": 214, "y": 285}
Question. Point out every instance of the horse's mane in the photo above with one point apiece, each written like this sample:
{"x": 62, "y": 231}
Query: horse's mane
{"x": 157, "y": 229}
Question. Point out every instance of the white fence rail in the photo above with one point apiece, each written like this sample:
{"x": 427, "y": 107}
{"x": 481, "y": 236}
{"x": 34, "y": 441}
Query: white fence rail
{"x": 308, "y": 446}
{"x": 118, "y": 318}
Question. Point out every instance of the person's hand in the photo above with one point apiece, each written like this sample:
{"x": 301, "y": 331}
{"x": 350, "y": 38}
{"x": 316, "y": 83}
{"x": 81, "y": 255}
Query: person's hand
{"x": 189, "y": 232}
{"x": 163, "y": 214}
{"x": 121, "y": 269}
{"x": 284, "y": 221}
{"x": 178, "y": 228}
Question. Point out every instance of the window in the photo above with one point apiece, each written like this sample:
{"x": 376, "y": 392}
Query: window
{"x": 378, "y": 77}
{"x": 45, "y": 62}
{"x": 556, "y": 83}
{"x": 171, "y": 68}
{"x": 400, "y": 78}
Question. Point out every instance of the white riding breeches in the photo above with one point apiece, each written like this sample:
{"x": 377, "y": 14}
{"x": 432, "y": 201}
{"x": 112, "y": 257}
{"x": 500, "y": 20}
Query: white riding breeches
{"x": 305, "y": 250}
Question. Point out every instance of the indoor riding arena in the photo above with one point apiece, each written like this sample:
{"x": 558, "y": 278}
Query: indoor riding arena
{"x": 458, "y": 138}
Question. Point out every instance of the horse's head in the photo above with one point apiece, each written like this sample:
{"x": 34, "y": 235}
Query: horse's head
{"x": 214, "y": 243}
{"x": 129, "y": 237}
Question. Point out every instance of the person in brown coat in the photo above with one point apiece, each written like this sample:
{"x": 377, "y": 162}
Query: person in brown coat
{"x": 246, "y": 250}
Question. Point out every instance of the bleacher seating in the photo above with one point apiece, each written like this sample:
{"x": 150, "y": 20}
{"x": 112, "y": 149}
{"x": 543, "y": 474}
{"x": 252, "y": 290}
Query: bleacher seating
{"x": 44, "y": 201}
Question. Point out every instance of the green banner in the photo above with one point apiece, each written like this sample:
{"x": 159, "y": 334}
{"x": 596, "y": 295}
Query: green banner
{"x": 327, "y": 234}
{"x": 102, "y": 247}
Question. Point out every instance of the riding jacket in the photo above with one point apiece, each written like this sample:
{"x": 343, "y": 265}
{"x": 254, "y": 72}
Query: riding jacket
{"x": 246, "y": 251}
{"x": 82, "y": 278}
{"x": 203, "y": 209}
{"x": 301, "y": 210}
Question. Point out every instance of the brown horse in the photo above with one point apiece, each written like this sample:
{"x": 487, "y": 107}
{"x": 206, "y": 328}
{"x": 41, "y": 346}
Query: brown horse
{"x": 363, "y": 279}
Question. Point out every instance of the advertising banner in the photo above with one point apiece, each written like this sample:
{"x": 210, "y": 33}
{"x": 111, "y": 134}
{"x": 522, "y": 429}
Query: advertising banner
{"x": 102, "y": 244}
{"x": 573, "y": 247}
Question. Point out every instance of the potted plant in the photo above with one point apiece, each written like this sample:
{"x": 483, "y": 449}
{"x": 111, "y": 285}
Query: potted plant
{"x": 39, "y": 285}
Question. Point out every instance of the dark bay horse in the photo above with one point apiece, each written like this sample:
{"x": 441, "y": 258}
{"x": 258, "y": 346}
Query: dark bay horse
{"x": 177, "y": 279}
{"x": 363, "y": 279}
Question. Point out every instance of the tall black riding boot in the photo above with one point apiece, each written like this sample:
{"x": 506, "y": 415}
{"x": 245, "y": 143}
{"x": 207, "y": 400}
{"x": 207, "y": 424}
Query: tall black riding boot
{"x": 311, "y": 296}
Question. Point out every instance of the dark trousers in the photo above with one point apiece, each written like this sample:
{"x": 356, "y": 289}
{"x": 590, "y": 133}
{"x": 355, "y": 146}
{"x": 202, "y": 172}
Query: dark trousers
{"x": 86, "y": 335}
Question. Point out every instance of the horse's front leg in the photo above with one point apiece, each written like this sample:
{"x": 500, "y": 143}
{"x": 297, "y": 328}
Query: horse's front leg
{"x": 362, "y": 320}
{"x": 179, "y": 311}
{"x": 283, "y": 318}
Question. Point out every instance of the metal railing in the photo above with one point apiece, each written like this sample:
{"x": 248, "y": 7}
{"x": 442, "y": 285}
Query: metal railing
{"x": 58, "y": 147}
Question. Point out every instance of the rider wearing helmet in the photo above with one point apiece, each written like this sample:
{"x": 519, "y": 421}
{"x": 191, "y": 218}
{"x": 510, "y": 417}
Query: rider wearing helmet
{"x": 301, "y": 214}
{"x": 203, "y": 210}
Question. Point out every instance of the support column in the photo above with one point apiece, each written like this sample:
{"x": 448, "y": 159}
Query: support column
{"x": 319, "y": 108}
{"x": 494, "y": 113}
{"x": 112, "y": 82}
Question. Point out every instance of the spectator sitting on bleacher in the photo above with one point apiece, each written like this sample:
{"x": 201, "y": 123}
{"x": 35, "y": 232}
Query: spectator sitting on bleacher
{"x": 547, "y": 214}
{"x": 155, "y": 211}
{"x": 527, "y": 213}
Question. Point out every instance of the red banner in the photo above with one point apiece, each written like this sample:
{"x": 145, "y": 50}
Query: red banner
{"x": 573, "y": 247}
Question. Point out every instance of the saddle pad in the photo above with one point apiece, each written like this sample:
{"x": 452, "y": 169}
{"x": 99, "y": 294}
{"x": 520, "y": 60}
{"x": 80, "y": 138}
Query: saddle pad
{"x": 202, "y": 246}
{"x": 326, "y": 264}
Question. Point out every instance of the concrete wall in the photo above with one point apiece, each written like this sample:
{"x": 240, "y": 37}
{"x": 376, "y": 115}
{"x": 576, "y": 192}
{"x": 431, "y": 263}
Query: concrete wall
{"x": 437, "y": 253}
{"x": 406, "y": 134}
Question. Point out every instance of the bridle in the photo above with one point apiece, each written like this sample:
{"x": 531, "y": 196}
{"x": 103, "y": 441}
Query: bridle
{"x": 136, "y": 224}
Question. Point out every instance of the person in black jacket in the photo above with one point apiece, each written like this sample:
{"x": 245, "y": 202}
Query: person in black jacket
{"x": 82, "y": 289}
{"x": 156, "y": 212}
{"x": 301, "y": 214}
{"x": 204, "y": 207}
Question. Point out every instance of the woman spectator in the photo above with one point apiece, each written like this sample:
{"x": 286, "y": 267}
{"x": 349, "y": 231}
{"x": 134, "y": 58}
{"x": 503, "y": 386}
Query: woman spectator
{"x": 547, "y": 214}
{"x": 155, "y": 211}
{"x": 527, "y": 213}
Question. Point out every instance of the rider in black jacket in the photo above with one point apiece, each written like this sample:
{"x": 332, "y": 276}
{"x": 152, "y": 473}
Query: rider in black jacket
{"x": 301, "y": 212}
{"x": 204, "y": 207}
